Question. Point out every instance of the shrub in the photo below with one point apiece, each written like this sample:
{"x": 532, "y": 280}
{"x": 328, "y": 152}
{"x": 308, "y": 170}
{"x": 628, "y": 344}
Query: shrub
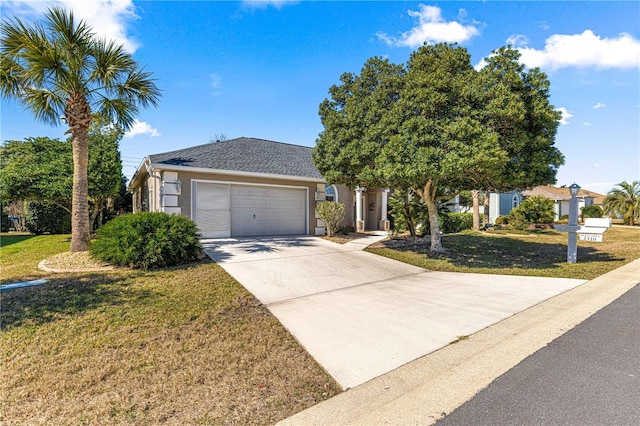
{"x": 450, "y": 223}
{"x": 147, "y": 240}
{"x": 502, "y": 220}
{"x": 408, "y": 211}
{"x": 346, "y": 230}
{"x": 534, "y": 209}
{"x": 47, "y": 218}
{"x": 592, "y": 211}
{"x": 331, "y": 213}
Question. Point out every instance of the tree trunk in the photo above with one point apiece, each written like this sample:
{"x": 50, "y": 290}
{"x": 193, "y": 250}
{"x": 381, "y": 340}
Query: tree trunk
{"x": 78, "y": 115}
{"x": 98, "y": 205}
{"x": 408, "y": 221}
{"x": 486, "y": 208}
{"x": 429, "y": 197}
{"x": 476, "y": 209}
{"x": 80, "y": 204}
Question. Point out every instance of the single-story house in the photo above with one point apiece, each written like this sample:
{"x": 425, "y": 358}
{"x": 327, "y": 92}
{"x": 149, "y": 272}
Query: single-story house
{"x": 250, "y": 187}
{"x": 501, "y": 204}
{"x": 561, "y": 197}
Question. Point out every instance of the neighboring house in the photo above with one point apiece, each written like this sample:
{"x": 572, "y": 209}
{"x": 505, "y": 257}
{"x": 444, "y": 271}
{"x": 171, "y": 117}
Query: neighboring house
{"x": 501, "y": 204}
{"x": 561, "y": 197}
{"x": 249, "y": 187}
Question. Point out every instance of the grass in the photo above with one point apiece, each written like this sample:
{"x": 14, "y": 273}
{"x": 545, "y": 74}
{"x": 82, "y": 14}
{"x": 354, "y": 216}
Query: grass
{"x": 540, "y": 253}
{"x": 21, "y": 253}
{"x": 184, "y": 345}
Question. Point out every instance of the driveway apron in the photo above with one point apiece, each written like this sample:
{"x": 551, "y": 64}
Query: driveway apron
{"x": 361, "y": 315}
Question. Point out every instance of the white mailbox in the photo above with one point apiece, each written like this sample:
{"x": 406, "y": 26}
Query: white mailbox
{"x": 593, "y": 229}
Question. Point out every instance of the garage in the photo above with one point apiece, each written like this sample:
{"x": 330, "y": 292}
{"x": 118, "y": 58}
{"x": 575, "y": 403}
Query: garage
{"x": 237, "y": 210}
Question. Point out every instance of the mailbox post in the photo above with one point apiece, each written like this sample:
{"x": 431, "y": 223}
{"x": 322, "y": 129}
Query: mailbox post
{"x": 572, "y": 247}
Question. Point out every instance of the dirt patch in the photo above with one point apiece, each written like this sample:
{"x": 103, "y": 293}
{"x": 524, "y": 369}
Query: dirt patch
{"x": 73, "y": 261}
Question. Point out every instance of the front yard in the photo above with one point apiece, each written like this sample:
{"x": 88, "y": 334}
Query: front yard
{"x": 539, "y": 253}
{"x": 185, "y": 345}
{"x": 189, "y": 345}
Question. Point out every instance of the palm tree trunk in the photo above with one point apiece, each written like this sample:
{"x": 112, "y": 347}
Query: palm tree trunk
{"x": 486, "y": 207}
{"x": 80, "y": 204}
{"x": 476, "y": 209}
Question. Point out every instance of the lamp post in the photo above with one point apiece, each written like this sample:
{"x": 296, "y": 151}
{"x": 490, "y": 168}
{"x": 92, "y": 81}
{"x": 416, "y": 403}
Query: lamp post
{"x": 572, "y": 247}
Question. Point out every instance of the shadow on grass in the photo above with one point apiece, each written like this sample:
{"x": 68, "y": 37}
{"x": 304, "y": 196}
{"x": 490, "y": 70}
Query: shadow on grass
{"x": 489, "y": 253}
{"x": 7, "y": 240}
{"x": 67, "y": 296}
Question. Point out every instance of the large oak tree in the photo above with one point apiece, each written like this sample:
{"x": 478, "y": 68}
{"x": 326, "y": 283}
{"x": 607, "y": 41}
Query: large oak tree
{"x": 417, "y": 126}
{"x": 60, "y": 68}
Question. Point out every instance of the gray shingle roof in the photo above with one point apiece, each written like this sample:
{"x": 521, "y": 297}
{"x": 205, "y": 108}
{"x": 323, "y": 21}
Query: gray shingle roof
{"x": 247, "y": 155}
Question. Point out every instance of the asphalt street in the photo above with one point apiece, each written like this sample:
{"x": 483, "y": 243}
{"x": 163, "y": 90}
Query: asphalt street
{"x": 588, "y": 376}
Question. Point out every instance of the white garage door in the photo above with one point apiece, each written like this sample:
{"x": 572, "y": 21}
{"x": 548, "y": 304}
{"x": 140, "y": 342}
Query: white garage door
{"x": 264, "y": 210}
{"x": 212, "y": 209}
{"x": 222, "y": 210}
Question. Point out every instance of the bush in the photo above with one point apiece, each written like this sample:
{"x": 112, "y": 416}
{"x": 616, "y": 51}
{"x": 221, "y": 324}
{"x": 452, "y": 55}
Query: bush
{"x": 331, "y": 213}
{"x": 47, "y": 218}
{"x": 147, "y": 240}
{"x": 502, "y": 220}
{"x": 534, "y": 209}
{"x": 592, "y": 211}
{"x": 450, "y": 223}
{"x": 346, "y": 230}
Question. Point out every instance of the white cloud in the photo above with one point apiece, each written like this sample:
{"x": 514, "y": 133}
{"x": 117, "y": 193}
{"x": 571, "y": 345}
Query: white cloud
{"x": 141, "y": 128}
{"x": 584, "y": 50}
{"x": 431, "y": 28}
{"x": 586, "y": 124}
{"x": 599, "y": 105}
{"x": 516, "y": 40}
{"x": 216, "y": 80}
{"x": 263, "y": 4}
{"x": 566, "y": 115}
{"x": 596, "y": 165}
{"x": 108, "y": 18}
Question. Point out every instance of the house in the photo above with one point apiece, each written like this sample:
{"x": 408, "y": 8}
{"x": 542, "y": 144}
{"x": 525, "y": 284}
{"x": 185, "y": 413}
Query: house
{"x": 249, "y": 187}
{"x": 561, "y": 197}
{"x": 501, "y": 204}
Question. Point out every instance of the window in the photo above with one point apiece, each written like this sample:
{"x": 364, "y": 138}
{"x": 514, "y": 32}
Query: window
{"x": 515, "y": 201}
{"x": 330, "y": 192}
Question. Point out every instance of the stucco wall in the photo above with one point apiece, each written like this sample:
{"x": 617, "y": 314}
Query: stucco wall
{"x": 186, "y": 178}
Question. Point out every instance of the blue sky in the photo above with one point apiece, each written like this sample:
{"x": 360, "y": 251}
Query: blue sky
{"x": 261, "y": 69}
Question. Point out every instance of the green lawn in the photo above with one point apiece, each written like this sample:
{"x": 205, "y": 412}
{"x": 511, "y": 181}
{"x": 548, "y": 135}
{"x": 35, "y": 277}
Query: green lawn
{"x": 185, "y": 345}
{"x": 541, "y": 253}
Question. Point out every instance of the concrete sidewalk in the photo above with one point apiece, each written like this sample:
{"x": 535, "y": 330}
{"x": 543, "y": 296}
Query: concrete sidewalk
{"x": 361, "y": 315}
{"x": 425, "y": 390}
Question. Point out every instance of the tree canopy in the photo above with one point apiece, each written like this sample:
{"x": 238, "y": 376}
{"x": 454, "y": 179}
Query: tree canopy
{"x": 624, "y": 200}
{"x": 40, "y": 169}
{"x": 435, "y": 124}
{"x": 60, "y": 68}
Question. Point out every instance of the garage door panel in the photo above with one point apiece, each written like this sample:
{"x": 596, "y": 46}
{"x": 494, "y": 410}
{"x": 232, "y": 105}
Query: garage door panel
{"x": 267, "y": 210}
{"x": 212, "y": 209}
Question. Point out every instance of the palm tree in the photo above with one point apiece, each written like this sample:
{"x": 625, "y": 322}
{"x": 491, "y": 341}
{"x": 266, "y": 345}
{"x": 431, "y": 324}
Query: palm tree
{"x": 62, "y": 71}
{"x": 624, "y": 200}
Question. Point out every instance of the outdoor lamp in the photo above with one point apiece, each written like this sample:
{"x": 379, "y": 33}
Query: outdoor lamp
{"x": 574, "y": 188}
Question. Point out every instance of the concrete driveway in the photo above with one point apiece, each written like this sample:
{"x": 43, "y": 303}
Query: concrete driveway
{"x": 361, "y": 315}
